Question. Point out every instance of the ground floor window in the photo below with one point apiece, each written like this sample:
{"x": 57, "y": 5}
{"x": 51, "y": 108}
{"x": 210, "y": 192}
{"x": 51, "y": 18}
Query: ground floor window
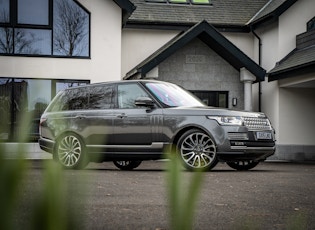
{"x": 27, "y": 97}
{"x": 213, "y": 98}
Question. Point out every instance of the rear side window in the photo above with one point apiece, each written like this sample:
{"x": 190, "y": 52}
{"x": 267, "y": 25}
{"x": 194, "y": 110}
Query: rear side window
{"x": 101, "y": 97}
{"x": 73, "y": 99}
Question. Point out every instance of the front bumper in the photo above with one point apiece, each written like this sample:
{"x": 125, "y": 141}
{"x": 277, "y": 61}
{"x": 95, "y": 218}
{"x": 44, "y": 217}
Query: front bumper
{"x": 248, "y": 145}
{"x": 239, "y": 153}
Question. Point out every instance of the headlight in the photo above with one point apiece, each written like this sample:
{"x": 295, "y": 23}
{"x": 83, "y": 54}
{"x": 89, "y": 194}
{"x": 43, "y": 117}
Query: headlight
{"x": 227, "y": 120}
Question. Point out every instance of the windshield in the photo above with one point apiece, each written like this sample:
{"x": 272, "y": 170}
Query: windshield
{"x": 172, "y": 95}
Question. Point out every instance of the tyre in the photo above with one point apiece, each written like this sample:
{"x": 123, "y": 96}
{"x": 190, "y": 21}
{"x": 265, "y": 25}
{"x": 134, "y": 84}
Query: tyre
{"x": 127, "y": 165}
{"x": 197, "y": 150}
{"x": 243, "y": 165}
{"x": 70, "y": 152}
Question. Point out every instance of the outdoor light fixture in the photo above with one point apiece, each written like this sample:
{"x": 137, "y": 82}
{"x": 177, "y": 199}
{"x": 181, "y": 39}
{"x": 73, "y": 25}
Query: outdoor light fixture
{"x": 234, "y": 101}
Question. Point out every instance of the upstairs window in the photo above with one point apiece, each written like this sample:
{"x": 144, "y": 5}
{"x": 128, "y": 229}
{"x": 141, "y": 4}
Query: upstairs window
{"x": 44, "y": 28}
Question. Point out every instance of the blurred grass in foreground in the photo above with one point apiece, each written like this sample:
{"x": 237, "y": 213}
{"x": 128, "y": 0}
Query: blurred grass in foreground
{"x": 182, "y": 199}
{"x": 50, "y": 210}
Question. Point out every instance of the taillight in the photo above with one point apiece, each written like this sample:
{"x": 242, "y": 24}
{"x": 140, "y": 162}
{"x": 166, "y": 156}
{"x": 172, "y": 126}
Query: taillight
{"x": 42, "y": 120}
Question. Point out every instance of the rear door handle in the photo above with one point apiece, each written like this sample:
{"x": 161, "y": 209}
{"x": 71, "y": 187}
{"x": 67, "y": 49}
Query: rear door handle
{"x": 80, "y": 116}
{"x": 123, "y": 115}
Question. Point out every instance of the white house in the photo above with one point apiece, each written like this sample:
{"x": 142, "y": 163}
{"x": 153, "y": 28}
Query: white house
{"x": 253, "y": 55}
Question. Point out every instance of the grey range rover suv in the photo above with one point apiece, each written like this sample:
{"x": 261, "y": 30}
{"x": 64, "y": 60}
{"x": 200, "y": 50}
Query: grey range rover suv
{"x": 130, "y": 121}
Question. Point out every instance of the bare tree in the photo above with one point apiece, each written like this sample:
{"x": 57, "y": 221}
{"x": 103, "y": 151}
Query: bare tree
{"x": 6, "y": 35}
{"x": 69, "y": 28}
{"x": 16, "y": 41}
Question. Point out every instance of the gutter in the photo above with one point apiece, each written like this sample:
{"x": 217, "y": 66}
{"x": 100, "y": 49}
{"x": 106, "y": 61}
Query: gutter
{"x": 259, "y": 63}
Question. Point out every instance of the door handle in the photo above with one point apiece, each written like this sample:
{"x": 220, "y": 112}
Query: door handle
{"x": 80, "y": 117}
{"x": 121, "y": 116}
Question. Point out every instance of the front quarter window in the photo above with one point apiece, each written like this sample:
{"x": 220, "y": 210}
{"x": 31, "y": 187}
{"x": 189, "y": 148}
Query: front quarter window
{"x": 172, "y": 95}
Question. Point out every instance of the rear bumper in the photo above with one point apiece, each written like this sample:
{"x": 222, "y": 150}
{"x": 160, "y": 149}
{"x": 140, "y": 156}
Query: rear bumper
{"x": 46, "y": 145}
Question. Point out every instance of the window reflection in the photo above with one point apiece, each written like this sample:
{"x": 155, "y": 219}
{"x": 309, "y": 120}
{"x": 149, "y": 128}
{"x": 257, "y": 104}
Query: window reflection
{"x": 71, "y": 29}
{"x": 25, "y": 97}
{"x": 6, "y": 40}
{"x": 4, "y": 11}
{"x": 127, "y": 95}
{"x": 45, "y": 27}
{"x": 100, "y": 97}
{"x": 34, "y": 12}
{"x": 32, "y": 41}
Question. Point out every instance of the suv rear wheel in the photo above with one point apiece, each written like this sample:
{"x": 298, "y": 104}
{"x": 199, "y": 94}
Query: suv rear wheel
{"x": 70, "y": 152}
{"x": 197, "y": 150}
{"x": 243, "y": 165}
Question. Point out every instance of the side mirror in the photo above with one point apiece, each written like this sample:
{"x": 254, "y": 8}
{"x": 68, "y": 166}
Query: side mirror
{"x": 144, "y": 101}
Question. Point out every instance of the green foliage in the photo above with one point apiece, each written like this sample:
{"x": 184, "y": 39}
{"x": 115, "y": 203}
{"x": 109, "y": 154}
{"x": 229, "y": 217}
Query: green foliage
{"x": 11, "y": 174}
{"x": 50, "y": 210}
{"x": 182, "y": 199}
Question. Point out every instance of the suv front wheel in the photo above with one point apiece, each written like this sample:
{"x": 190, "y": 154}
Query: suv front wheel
{"x": 197, "y": 150}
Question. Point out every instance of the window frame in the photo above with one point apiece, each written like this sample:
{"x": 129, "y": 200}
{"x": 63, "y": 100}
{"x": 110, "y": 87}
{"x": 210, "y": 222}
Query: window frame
{"x": 14, "y": 25}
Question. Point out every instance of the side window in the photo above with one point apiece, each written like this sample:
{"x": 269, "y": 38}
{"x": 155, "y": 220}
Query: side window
{"x": 76, "y": 99}
{"x": 127, "y": 94}
{"x": 71, "y": 100}
{"x": 101, "y": 97}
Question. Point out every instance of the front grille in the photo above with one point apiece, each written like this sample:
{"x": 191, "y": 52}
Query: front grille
{"x": 256, "y": 123}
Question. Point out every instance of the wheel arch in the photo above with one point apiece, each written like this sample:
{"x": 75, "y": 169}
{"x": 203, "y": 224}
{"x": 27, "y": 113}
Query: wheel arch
{"x": 186, "y": 128}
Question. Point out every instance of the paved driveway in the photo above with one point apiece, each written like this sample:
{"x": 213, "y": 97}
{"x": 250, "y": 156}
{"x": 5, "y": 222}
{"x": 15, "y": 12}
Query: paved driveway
{"x": 271, "y": 196}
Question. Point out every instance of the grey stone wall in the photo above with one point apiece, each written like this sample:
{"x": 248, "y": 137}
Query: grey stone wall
{"x": 197, "y": 67}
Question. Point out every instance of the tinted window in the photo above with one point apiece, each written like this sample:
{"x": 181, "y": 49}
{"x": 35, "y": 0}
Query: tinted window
{"x": 101, "y": 97}
{"x": 128, "y": 93}
{"x": 74, "y": 99}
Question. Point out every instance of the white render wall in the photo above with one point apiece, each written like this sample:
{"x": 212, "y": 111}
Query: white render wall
{"x": 289, "y": 107}
{"x": 139, "y": 44}
{"x": 105, "y": 61}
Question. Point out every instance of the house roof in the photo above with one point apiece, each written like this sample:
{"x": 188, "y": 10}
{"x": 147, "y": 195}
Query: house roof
{"x": 227, "y": 13}
{"x": 270, "y": 12}
{"x": 299, "y": 61}
{"x": 211, "y": 37}
{"x": 127, "y": 8}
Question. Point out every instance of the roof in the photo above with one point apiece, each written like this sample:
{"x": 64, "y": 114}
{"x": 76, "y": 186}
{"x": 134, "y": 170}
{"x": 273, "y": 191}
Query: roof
{"x": 210, "y": 36}
{"x": 270, "y": 12}
{"x": 299, "y": 61}
{"x": 223, "y": 13}
{"x": 127, "y": 8}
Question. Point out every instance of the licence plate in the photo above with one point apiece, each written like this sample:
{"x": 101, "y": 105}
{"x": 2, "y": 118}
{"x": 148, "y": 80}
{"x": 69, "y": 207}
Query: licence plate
{"x": 263, "y": 135}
